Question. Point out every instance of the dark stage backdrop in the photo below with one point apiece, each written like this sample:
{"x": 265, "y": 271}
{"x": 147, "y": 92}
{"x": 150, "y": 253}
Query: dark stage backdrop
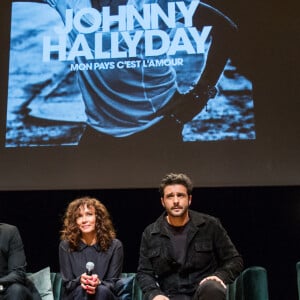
{"x": 263, "y": 222}
{"x": 248, "y": 136}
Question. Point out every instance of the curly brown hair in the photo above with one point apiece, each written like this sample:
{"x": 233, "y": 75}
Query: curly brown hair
{"x": 105, "y": 231}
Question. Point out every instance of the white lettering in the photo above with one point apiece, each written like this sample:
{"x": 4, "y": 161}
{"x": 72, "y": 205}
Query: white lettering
{"x": 149, "y": 44}
{"x": 60, "y": 48}
{"x": 100, "y": 35}
{"x": 81, "y": 18}
{"x": 80, "y": 48}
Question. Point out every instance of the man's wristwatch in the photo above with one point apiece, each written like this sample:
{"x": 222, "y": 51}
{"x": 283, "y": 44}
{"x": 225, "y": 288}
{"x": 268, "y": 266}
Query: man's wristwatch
{"x": 192, "y": 103}
{"x": 210, "y": 92}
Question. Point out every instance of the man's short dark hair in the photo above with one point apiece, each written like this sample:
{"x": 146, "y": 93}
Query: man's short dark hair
{"x": 176, "y": 178}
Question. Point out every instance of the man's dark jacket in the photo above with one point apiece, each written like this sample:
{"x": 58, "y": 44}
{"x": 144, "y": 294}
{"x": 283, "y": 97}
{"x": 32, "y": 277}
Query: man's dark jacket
{"x": 13, "y": 260}
{"x": 209, "y": 252}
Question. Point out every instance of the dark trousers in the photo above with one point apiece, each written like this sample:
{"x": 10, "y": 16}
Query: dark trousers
{"x": 210, "y": 290}
{"x": 102, "y": 293}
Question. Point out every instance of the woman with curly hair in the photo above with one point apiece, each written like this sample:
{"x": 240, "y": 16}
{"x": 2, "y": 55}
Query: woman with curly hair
{"x": 90, "y": 256}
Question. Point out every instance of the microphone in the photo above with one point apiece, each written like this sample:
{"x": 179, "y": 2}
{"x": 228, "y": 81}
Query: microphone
{"x": 89, "y": 268}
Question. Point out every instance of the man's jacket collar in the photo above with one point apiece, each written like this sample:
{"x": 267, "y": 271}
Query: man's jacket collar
{"x": 196, "y": 219}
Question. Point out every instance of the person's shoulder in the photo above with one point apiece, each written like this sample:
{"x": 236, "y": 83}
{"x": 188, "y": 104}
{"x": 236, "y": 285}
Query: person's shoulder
{"x": 116, "y": 246}
{"x": 203, "y": 217}
{"x": 64, "y": 244}
{"x": 8, "y": 227}
{"x": 150, "y": 227}
{"x": 117, "y": 243}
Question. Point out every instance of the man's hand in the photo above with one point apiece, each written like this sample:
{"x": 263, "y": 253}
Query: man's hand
{"x": 216, "y": 278}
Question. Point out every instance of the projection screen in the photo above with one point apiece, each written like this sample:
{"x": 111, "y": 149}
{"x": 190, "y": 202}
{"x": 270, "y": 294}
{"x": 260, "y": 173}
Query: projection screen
{"x": 98, "y": 94}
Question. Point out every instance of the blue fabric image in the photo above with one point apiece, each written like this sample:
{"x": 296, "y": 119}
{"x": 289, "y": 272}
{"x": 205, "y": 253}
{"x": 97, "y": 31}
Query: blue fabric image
{"x": 114, "y": 74}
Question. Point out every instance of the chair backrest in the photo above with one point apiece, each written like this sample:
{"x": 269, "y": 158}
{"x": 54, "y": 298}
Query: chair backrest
{"x": 252, "y": 284}
{"x": 57, "y": 287}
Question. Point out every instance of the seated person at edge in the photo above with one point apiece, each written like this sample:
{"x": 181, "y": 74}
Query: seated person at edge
{"x": 90, "y": 256}
{"x": 13, "y": 282}
{"x": 185, "y": 254}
